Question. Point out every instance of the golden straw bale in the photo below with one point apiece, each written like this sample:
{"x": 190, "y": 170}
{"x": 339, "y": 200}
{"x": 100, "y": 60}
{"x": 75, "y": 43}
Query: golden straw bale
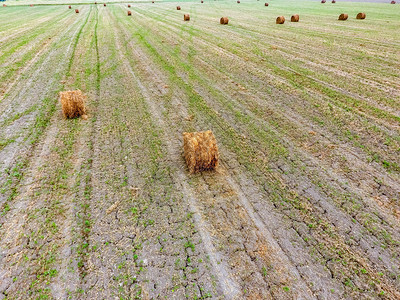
{"x": 200, "y": 151}
{"x": 224, "y": 20}
{"x": 294, "y": 18}
{"x": 73, "y": 104}
{"x": 361, "y": 16}
{"x": 186, "y": 17}
{"x": 343, "y": 17}
{"x": 280, "y": 20}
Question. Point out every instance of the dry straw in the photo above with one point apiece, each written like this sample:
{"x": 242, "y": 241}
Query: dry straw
{"x": 73, "y": 104}
{"x": 224, "y": 20}
{"x": 343, "y": 17}
{"x": 295, "y": 18}
{"x": 361, "y": 16}
{"x": 280, "y": 20}
{"x": 186, "y": 17}
{"x": 200, "y": 151}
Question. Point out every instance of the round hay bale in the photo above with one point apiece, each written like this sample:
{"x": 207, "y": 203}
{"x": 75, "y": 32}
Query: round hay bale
{"x": 343, "y": 17}
{"x": 237, "y": 1}
{"x": 201, "y": 1}
{"x": 178, "y": 8}
{"x": 361, "y": 16}
{"x": 224, "y": 20}
{"x": 129, "y": 13}
{"x": 280, "y": 20}
{"x": 69, "y": 7}
{"x": 129, "y": 5}
{"x": 4, "y": 5}
{"x": 295, "y": 18}
{"x": 104, "y": 4}
{"x": 266, "y": 4}
{"x": 323, "y": 1}
{"x": 200, "y": 151}
{"x": 186, "y": 17}
{"x": 77, "y": 11}
{"x": 333, "y": 1}
{"x": 73, "y": 104}
{"x": 31, "y": 5}
{"x": 393, "y": 2}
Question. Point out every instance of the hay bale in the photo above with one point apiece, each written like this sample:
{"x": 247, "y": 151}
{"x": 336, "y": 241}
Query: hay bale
{"x": 295, "y": 18}
{"x": 237, "y": 1}
{"x": 186, "y": 17}
{"x": 333, "y": 1}
{"x": 129, "y": 13}
{"x": 323, "y": 1}
{"x": 73, "y": 104}
{"x": 77, "y": 11}
{"x": 4, "y": 5}
{"x": 178, "y": 8}
{"x": 69, "y": 7}
{"x": 280, "y": 20}
{"x": 200, "y": 151}
{"x": 104, "y": 4}
{"x": 343, "y": 17}
{"x": 129, "y": 5}
{"x": 266, "y": 4}
{"x": 201, "y": 1}
{"x": 361, "y": 16}
{"x": 393, "y": 2}
{"x": 31, "y": 5}
{"x": 224, "y": 20}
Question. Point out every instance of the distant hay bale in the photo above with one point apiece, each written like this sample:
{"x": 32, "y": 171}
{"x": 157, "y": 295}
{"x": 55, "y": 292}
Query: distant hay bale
{"x": 73, "y": 104}
{"x": 178, "y": 8}
{"x": 343, "y": 17}
{"x": 4, "y": 5}
{"x": 323, "y": 1}
{"x": 200, "y": 151}
{"x": 237, "y": 1}
{"x": 280, "y": 20}
{"x": 31, "y": 5}
{"x": 129, "y": 5}
{"x": 224, "y": 20}
{"x": 266, "y": 4}
{"x": 201, "y": 1}
{"x": 69, "y": 7}
{"x": 295, "y": 18}
{"x": 361, "y": 16}
{"x": 186, "y": 17}
{"x": 77, "y": 11}
{"x": 104, "y": 4}
{"x": 333, "y": 1}
{"x": 393, "y": 2}
{"x": 129, "y": 13}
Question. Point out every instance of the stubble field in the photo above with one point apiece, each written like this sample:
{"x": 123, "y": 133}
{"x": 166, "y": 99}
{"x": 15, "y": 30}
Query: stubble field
{"x": 305, "y": 202}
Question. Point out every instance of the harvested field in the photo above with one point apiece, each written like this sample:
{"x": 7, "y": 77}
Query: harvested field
{"x": 305, "y": 202}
